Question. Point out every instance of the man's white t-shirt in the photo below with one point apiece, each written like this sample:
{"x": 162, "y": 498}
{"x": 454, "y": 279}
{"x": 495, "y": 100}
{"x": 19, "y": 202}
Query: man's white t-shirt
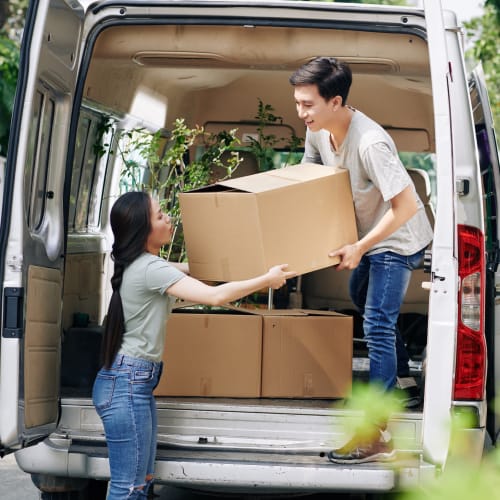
{"x": 377, "y": 175}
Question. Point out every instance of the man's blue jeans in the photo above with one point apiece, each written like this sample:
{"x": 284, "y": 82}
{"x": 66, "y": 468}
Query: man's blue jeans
{"x": 123, "y": 397}
{"x": 377, "y": 288}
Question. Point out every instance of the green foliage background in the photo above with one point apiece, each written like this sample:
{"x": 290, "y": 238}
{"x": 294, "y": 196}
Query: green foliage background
{"x": 9, "y": 62}
{"x": 485, "y": 32}
{"x": 12, "y": 15}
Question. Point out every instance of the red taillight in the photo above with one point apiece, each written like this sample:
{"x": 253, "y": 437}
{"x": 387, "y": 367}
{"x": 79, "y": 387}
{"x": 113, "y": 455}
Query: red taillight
{"x": 470, "y": 369}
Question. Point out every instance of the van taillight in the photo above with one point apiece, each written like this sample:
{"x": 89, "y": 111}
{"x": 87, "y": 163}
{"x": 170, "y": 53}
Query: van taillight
{"x": 470, "y": 369}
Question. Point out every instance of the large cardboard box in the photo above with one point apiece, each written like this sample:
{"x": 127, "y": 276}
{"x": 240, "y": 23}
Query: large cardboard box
{"x": 307, "y": 356}
{"x": 239, "y": 228}
{"x": 252, "y": 353}
{"x": 212, "y": 354}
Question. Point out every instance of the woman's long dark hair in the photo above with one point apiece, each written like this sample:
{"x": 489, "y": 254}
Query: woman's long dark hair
{"x": 131, "y": 225}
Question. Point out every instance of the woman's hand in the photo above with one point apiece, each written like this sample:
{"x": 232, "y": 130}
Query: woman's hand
{"x": 278, "y": 276}
{"x": 194, "y": 290}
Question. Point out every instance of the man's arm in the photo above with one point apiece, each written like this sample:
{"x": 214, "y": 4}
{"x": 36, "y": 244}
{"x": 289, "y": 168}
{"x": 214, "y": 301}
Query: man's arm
{"x": 403, "y": 207}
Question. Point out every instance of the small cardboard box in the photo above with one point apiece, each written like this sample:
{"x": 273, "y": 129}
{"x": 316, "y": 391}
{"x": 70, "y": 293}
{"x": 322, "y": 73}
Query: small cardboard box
{"x": 307, "y": 356}
{"x": 212, "y": 354}
{"x": 239, "y": 228}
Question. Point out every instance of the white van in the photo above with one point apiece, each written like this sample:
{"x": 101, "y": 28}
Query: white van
{"x": 146, "y": 63}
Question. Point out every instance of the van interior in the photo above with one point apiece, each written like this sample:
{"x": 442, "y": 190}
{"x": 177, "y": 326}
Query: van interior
{"x": 213, "y": 76}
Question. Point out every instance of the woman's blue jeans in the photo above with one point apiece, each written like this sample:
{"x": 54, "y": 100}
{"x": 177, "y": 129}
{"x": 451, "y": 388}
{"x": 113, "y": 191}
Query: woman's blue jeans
{"x": 377, "y": 288}
{"x": 123, "y": 398}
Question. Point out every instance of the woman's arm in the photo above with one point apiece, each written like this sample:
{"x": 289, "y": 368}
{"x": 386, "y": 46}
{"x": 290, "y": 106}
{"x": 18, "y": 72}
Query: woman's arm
{"x": 191, "y": 289}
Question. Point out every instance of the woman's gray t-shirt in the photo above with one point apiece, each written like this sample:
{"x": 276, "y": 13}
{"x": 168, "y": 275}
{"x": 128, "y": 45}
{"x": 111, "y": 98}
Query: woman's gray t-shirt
{"x": 377, "y": 175}
{"x": 146, "y": 305}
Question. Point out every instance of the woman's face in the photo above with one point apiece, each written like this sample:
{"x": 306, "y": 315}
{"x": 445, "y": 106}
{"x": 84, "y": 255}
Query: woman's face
{"x": 162, "y": 228}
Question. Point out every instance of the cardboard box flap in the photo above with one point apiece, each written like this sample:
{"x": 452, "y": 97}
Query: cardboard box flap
{"x": 298, "y": 312}
{"x": 279, "y": 178}
{"x": 275, "y": 312}
{"x": 195, "y": 308}
{"x": 192, "y": 307}
{"x": 314, "y": 312}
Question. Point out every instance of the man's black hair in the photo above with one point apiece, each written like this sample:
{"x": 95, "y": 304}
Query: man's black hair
{"x": 332, "y": 77}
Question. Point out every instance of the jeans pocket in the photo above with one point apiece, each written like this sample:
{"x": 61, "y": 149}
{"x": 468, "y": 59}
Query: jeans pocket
{"x": 104, "y": 388}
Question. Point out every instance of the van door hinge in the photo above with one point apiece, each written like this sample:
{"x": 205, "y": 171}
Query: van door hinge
{"x": 463, "y": 187}
{"x": 13, "y": 305}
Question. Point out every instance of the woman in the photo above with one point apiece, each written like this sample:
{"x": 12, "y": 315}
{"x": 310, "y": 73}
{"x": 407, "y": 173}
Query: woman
{"x": 143, "y": 289}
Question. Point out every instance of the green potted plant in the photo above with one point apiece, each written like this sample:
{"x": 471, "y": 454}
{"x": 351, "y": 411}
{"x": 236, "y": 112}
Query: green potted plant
{"x": 159, "y": 163}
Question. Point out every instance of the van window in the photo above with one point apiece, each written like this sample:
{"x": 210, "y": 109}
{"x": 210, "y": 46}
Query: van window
{"x": 87, "y": 181}
{"x": 422, "y": 161}
{"x": 37, "y": 159}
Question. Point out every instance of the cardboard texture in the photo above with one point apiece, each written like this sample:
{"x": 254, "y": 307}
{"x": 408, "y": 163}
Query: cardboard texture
{"x": 212, "y": 354}
{"x": 308, "y": 356}
{"x": 239, "y": 228}
{"x": 269, "y": 353}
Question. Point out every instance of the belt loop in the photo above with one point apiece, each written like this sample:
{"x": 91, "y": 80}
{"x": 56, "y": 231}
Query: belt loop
{"x": 119, "y": 359}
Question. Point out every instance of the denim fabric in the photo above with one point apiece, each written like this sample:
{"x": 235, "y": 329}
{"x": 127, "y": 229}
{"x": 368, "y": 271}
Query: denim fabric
{"x": 123, "y": 398}
{"x": 377, "y": 288}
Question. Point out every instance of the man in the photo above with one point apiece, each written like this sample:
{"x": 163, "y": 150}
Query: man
{"x": 392, "y": 225}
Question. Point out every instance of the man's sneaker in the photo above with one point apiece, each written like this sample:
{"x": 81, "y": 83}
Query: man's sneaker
{"x": 407, "y": 392}
{"x": 372, "y": 446}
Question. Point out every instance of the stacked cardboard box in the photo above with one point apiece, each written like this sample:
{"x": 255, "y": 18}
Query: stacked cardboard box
{"x": 259, "y": 353}
{"x": 238, "y": 229}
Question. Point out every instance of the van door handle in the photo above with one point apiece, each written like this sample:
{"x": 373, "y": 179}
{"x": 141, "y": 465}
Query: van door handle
{"x": 13, "y": 299}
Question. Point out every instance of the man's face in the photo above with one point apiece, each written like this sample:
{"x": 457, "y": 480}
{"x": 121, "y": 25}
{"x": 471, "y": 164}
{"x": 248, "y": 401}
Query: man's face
{"x": 313, "y": 109}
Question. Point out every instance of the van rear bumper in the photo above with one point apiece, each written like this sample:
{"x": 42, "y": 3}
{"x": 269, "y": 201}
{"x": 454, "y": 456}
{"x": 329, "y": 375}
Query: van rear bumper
{"x": 234, "y": 471}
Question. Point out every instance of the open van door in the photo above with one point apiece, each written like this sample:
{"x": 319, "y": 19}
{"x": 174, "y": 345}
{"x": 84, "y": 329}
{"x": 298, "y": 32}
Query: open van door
{"x": 32, "y": 224}
{"x": 442, "y": 328}
{"x": 488, "y": 159}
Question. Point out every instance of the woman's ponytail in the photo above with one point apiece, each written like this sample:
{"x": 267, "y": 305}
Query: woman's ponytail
{"x": 131, "y": 224}
{"x": 115, "y": 322}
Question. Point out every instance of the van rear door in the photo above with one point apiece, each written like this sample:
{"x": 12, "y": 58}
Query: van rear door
{"x": 32, "y": 223}
{"x": 442, "y": 304}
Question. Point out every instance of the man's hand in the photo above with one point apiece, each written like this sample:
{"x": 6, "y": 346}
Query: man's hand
{"x": 403, "y": 207}
{"x": 350, "y": 255}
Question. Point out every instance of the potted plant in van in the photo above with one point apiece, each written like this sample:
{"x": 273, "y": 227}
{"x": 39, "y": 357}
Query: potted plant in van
{"x": 264, "y": 147}
{"x": 184, "y": 158}
{"x": 160, "y": 163}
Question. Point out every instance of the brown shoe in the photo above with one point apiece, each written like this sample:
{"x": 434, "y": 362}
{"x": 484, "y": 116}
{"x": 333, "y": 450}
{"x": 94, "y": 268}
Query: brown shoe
{"x": 371, "y": 446}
